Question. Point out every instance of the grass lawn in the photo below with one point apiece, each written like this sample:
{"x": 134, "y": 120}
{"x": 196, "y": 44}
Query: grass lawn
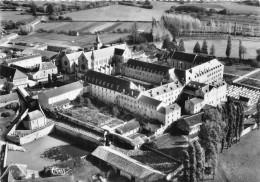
{"x": 122, "y": 13}
{"x": 240, "y": 69}
{"x": 63, "y": 40}
{"x": 241, "y": 162}
{"x": 14, "y": 15}
{"x": 5, "y": 121}
{"x": 256, "y": 76}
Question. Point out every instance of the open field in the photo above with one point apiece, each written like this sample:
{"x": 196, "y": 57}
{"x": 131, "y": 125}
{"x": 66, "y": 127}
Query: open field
{"x": 122, "y": 13}
{"x": 63, "y": 40}
{"x": 256, "y": 76}
{"x": 14, "y": 15}
{"x": 241, "y": 162}
{"x": 220, "y": 47}
{"x": 240, "y": 69}
{"x": 92, "y": 27}
{"x": 234, "y": 7}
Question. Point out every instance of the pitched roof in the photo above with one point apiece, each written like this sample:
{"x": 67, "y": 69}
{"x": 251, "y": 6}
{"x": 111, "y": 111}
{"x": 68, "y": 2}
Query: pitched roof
{"x": 183, "y": 56}
{"x": 73, "y": 56}
{"x": 164, "y": 88}
{"x": 149, "y": 67}
{"x": 129, "y": 126}
{"x": 9, "y": 97}
{"x": 162, "y": 110}
{"x": 193, "y": 86}
{"x": 196, "y": 100}
{"x": 149, "y": 101}
{"x": 192, "y": 120}
{"x": 111, "y": 82}
{"x": 181, "y": 74}
{"x": 36, "y": 114}
{"x": 49, "y": 54}
{"x": 127, "y": 164}
{"x": 63, "y": 89}
{"x": 11, "y": 73}
{"x": 16, "y": 170}
{"x": 203, "y": 58}
{"x": 47, "y": 66}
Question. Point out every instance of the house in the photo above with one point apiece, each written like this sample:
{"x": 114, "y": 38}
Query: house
{"x": 35, "y": 119}
{"x": 126, "y": 166}
{"x": 129, "y": 128}
{"x": 8, "y": 98}
{"x": 13, "y": 75}
{"x": 66, "y": 93}
{"x": 45, "y": 69}
{"x": 25, "y": 62}
{"x": 147, "y": 72}
{"x": 194, "y": 105}
{"x": 14, "y": 172}
{"x": 190, "y": 125}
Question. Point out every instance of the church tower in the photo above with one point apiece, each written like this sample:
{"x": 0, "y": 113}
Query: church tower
{"x": 98, "y": 43}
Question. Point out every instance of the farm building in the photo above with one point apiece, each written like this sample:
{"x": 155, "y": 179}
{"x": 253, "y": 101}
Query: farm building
{"x": 44, "y": 53}
{"x": 8, "y": 98}
{"x": 126, "y": 166}
{"x": 129, "y": 128}
{"x": 13, "y": 75}
{"x": 66, "y": 93}
{"x": 190, "y": 125}
{"x": 25, "y": 62}
{"x": 34, "y": 120}
{"x": 45, "y": 69}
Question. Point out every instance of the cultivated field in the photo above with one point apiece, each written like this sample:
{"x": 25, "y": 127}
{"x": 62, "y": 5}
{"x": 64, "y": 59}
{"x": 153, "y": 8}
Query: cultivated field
{"x": 14, "y": 15}
{"x": 240, "y": 69}
{"x": 65, "y": 40}
{"x": 122, "y": 13}
{"x": 92, "y": 27}
{"x": 255, "y": 76}
{"x": 220, "y": 47}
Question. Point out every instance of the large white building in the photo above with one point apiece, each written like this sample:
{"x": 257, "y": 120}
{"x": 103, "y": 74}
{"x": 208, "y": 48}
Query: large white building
{"x": 25, "y": 62}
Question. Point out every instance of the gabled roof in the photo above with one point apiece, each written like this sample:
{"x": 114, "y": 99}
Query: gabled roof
{"x": 127, "y": 164}
{"x": 73, "y": 56}
{"x": 111, "y": 82}
{"x": 9, "y": 97}
{"x": 47, "y": 66}
{"x": 203, "y": 58}
{"x": 149, "y": 67}
{"x": 36, "y": 114}
{"x": 129, "y": 126}
{"x": 164, "y": 88}
{"x": 63, "y": 89}
{"x": 149, "y": 101}
{"x": 183, "y": 56}
{"x": 16, "y": 170}
{"x": 191, "y": 120}
{"x": 23, "y": 58}
{"x": 196, "y": 100}
{"x": 119, "y": 52}
{"x": 181, "y": 74}
{"x": 11, "y": 73}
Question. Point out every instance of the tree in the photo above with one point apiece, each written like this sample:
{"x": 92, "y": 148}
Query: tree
{"x": 147, "y": 2}
{"x": 212, "y": 50}
{"x": 64, "y": 7}
{"x": 257, "y": 117}
{"x": 196, "y": 48}
{"x": 186, "y": 165}
{"x": 116, "y": 111}
{"x": 243, "y": 51}
{"x": 50, "y": 9}
{"x": 204, "y": 48}
{"x": 181, "y": 46}
{"x": 49, "y": 80}
{"x": 229, "y": 47}
{"x": 168, "y": 44}
{"x": 8, "y": 86}
{"x": 200, "y": 158}
{"x": 25, "y": 29}
{"x": 240, "y": 49}
{"x": 193, "y": 163}
{"x": 254, "y": 64}
{"x": 33, "y": 7}
{"x": 134, "y": 33}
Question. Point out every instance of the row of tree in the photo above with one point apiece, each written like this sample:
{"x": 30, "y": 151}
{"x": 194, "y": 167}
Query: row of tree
{"x": 204, "y": 49}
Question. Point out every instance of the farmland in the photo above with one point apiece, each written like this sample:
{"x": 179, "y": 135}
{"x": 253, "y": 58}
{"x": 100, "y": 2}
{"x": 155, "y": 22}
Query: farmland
{"x": 14, "y": 15}
{"x": 66, "y": 40}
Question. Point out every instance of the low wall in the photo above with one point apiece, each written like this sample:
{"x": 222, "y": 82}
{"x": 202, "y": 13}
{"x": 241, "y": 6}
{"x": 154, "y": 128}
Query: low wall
{"x": 247, "y": 130}
{"x": 83, "y": 138}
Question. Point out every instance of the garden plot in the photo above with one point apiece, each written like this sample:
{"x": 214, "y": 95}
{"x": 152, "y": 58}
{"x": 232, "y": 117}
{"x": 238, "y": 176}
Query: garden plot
{"x": 101, "y": 27}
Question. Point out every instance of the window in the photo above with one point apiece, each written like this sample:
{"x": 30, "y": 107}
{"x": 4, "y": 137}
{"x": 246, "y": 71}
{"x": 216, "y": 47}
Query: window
{"x": 83, "y": 67}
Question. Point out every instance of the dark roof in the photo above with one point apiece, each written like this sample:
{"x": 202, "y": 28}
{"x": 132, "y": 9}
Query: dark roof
{"x": 149, "y": 101}
{"x": 203, "y": 58}
{"x": 193, "y": 86}
{"x": 162, "y": 110}
{"x": 149, "y": 67}
{"x": 111, "y": 82}
{"x": 182, "y": 56}
{"x": 192, "y": 120}
{"x": 119, "y": 52}
{"x": 129, "y": 126}
{"x": 9, "y": 98}
{"x": 16, "y": 170}
{"x": 245, "y": 99}
{"x": 11, "y": 73}
{"x": 127, "y": 164}
{"x": 181, "y": 74}
{"x": 63, "y": 89}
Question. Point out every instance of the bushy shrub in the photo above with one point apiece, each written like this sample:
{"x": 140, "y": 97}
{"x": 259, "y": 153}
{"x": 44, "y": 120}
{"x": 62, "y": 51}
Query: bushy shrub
{"x": 5, "y": 114}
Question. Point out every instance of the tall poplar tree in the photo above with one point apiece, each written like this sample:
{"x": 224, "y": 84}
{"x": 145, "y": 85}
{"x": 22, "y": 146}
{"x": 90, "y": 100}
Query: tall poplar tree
{"x": 240, "y": 49}
{"x": 229, "y": 47}
{"x": 212, "y": 50}
{"x": 196, "y": 48}
{"x": 181, "y": 46}
{"x": 204, "y": 48}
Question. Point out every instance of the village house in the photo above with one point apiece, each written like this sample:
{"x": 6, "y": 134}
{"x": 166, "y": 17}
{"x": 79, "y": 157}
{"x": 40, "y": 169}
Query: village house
{"x": 129, "y": 128}
{"x": 8, "y": 99}
{"x": 25, "y": 62}
{"x": 190, "y": 125}
{"x": 148, "y": 72}
{"x": 194, "y": 105}
{"x": 60, "y": 95}
{"x": 34, "y": 120}
{"x": 14, "y": 76}
{"x": 45, "y": 69}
